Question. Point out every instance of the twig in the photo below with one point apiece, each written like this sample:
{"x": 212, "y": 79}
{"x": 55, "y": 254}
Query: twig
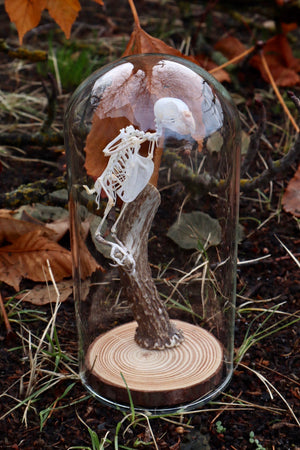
{"x": 270, "y": 387}
{"x": 253, "y": 261}
{"x": 26, "y": 160}
{"x": 255, "y": 141}
{"x": 288, "y": 251}
{"x": 276, "y": 90}
{"x": 233, "y": 60}
{"x": 206, "y": 182}
{"x": 134, "y": 13}
{"x": 276, "y": 167}
{"x": 295, "y": 99}
{"x": 4, "y": 315}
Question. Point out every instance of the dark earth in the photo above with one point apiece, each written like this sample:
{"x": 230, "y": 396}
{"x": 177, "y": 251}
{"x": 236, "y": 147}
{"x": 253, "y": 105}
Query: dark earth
{"x": 250, "y": 406}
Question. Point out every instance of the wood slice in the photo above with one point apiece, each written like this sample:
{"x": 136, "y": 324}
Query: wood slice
{"x": 155, "y": 377}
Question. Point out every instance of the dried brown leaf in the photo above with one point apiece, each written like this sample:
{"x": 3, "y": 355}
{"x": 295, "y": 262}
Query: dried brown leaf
{"x": 25, "y": 14}
{"x": 230, "y": 47}
{"x": 32, "y": 245}
{"x": 291, "y": 197}
{"x": 278, "y": 53}
{"x": 142, "y": 42}
{"x": 59, "y": 228}
{"x": 42, "y": 294}
{"x": 64, "y": 12}
{"x": 27, "y": 258}
{"x": 283, "y": 65}
{"x": 11, "y": 229}
{"x": 6, "y": 213}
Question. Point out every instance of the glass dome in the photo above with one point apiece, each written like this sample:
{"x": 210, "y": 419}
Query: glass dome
{"x": 153, "y": 146}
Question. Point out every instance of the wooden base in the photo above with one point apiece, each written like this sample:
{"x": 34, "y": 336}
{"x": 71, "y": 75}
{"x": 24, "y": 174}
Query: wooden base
{"x": 155, "y": 378}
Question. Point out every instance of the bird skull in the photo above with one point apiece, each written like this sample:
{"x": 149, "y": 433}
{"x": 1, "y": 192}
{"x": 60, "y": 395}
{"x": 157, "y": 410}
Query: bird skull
{"x": 174, "y": 114}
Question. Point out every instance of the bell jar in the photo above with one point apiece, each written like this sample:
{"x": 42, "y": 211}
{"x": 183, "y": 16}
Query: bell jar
{"x": 153, "y": 149}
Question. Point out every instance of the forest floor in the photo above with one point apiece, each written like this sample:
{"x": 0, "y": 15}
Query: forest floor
{"x": 260, "y": 407}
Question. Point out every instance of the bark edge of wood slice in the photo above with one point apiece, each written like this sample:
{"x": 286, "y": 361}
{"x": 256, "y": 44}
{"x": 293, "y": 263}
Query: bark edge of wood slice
{"x": 155, "y": 378}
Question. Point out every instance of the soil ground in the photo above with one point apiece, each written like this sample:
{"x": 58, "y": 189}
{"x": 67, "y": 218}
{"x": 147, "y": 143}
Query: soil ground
{"x": 265, "y": 409}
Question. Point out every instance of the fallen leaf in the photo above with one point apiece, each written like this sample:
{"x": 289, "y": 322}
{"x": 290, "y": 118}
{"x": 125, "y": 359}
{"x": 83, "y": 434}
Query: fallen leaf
{"x": 194, "y": 228}
{"x": 6, "y": 213}
{"x": 18, "y": 260}
{"x": 59, "y": 228}
{"x": 283, "y": 65}
{"x": 25, "y": 14}
{"x": 142, "y": 42}
{"x": 278, "y": 53}
{"x": 291, "y": 196}
{"x": 42, "y": 294}
{"x": 11, "y": 229}
{"x": 43, "y": 213}
{"x": 245, "y": 142}
{"x": 64, "y": 12}
{"x": 287, "y": 27}
{"x": 40, "y": 212}
{"x": 27, "y": 258}
{"x": 230, "y": 47}
{"x": 53, "y": 218}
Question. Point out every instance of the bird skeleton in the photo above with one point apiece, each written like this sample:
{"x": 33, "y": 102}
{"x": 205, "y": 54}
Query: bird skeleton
{"x": 127, "y": 172}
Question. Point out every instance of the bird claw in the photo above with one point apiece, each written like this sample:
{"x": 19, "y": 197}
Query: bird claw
{"x": 122, "y": 257}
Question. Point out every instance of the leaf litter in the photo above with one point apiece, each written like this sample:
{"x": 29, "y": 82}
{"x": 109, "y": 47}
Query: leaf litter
{"x": 240, "y": 381}
{"x": 28, "y": 245}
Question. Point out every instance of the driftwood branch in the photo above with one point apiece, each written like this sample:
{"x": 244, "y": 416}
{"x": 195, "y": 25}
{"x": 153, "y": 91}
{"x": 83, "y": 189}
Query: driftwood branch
{"x": 275, "y": 167}
{"x": 155, "y": 330}
{"x": 205, "y": 182}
